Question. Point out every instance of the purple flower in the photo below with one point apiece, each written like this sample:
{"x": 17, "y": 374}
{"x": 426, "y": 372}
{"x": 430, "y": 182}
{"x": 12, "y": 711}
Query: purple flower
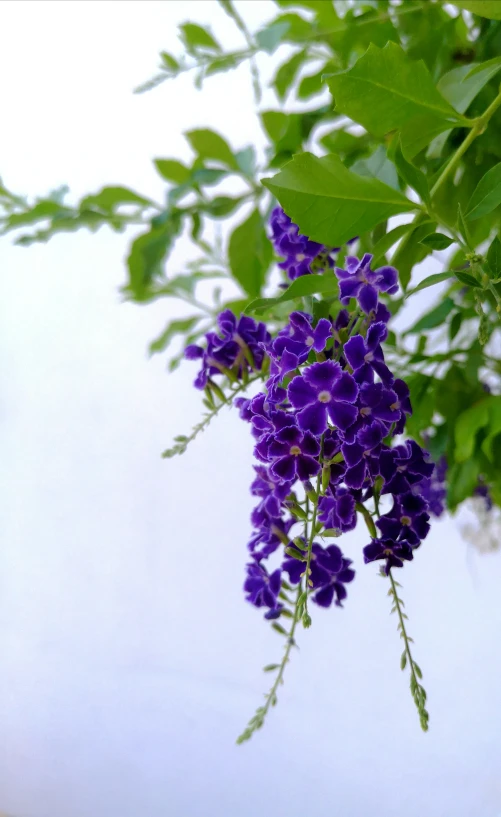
{"x": 337, "y": 510}
{"x": 298, "y": 251}
{"x": 272, "y": 493}
{"x": 330, "y": 571}
{"x": 360, "y": 282}
{"x": 366, "y": 356}
{"x": 407, "y": 521}
{"x": 304, "y": 333}
{"x": 403, "y": 466}
{"x": 240, "y": 344}
{"x": 262, "y": 589}
{"x": 294, "y": 454}
{"x": 270, "y": 533}
{"x": 394, "y": 553}
{"x": 362, "y": 455}
{"x": 322, "y": 391}
{"x": 433, "y": 488}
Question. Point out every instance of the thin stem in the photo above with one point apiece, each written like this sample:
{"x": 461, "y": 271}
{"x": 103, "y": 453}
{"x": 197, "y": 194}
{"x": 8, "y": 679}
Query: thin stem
{"x": 306, "y": 617}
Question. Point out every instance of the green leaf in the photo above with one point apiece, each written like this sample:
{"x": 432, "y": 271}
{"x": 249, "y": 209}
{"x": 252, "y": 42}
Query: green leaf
{"x": 461, "y": 85}
{"x": 461, "y": 482}
{"x": 211, "y": 145}
{"x": 414, "y": 177}
{"x": 271, "y": 667}
{"x": 287, "y": 73}
{"x": 377, "y": 166}
{"x": 455, "y": 325}
{"x": 466, "y": 427}
{"x": 385, "y": 91}
{"x": 494, "y": 258}
{"x": 111, "y": 197}
{"x": 434, "y": 318}
{"x": 196, "y": 38}
{"x": 437, "y": 241}
{"x": 177, "y": 327}
{"x": 207, "y": 175}
{"x": 484, "y": 8}
{"x": 410, "y": 252}
{"x": 495, "y": 62}
{"x": 250, "y": 254}
{"x": 221, "y": 206}
{"x": 269, "y": 38}
{"x": 300, "y": 288}
{"x": 494, "y": 427}
{"x": 467, "y": 279}
{"x": 387, "y": 241}
{"x": 172, "y": 170}
{"x": 246, "y": 161}
{"x": 330, "y": 203}
{"x": 169, "y": 61}
{"x": 148, "y": 253}
{"x": 487, "y": 194}
{"x": 463, "y": 228}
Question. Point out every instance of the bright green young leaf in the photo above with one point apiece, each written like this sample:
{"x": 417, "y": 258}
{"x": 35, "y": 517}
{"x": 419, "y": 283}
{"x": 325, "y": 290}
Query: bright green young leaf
{"x": 430, "y": 281}
{"x": 330, "y": 203}
{"x": 250, "y": 254}
{"x": 197, "y": 38}
{"x": 494, "y": 258}
{"x": 386, "y": 90}
{"x": 466, "y": 427}
{"x": 434, "y": 318}
{"x": 388, "y": 240}
{"x": 269, "y": 38}
{"x": 414, "y": 177}
{"x": 172, "y": 170}
{"x": 377, "y": 166}
{"x": 178, "y": 327}
{"x": 169, "y": 61}
{"x": 487, "y": 194}
{"x": 437, "y": 241}
{"x": 109, "y": 198}
{"x": 484, "y": 8}
{"x": 300, "y": 288}
{"x": 211, "y": 145}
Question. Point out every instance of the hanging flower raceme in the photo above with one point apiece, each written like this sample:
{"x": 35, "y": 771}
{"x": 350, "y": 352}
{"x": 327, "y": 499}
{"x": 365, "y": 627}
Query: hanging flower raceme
{"x": 323, "y": 430}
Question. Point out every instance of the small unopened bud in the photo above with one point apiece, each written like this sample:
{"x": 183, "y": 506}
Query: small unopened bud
{"x": 326, "y": 477}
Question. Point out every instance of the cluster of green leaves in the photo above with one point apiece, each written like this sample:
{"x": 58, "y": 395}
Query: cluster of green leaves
{"x": 398, "y": 105}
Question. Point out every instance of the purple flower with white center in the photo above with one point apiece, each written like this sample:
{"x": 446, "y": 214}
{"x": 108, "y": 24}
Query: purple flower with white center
{"x": 366, "y": 356}
{"x": 241, "y": 343}
{"x": 375, "y": 402}
{"x": 262, "y": 589}
{"x": 407, "y": 521}
{"x": 403, "y": 466}
{"x": 394, "y": 553}
{"x": 360, "y": 282}
{"x": 362, "y": 455}
{"x": 294, "y": 454}
{"x": 337, "y": 510}
{"x": 323, "y": 391}
{"x": 304, "y": 333}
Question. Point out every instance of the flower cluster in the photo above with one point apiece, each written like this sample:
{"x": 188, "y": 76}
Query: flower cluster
{"x": 301, "y": 256}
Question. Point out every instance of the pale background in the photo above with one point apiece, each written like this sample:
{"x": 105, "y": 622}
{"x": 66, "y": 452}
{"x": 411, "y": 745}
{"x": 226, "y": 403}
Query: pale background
{"x": 129, "y": 661}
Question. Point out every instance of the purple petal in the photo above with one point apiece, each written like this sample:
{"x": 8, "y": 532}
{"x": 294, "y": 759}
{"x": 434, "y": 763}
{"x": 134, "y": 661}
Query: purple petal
{"x": 321, "y": 335}
{"x": 322, "y": 376}
{"x": 352, "y": 453}
{"x": 343, "y": 415}
{"x": 300, "y": 392}
{"x": 387, "y": 279}
{"x": 324, "y": 596}
{"x": 345, "y": 389}
{"x": 355, "y": 476}
{"x": 355, "y": 351}
{"x": 310, "y": 445}
{"x": 284, "y": 468}
{"x": 376, "y": 334}
{"x": 314, "y": 418}
{"x": 306, "y": 467}
{"x": 367, "y": 298}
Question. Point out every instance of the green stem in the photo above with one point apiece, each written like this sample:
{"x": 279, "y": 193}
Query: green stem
{"x": 306, "y": 617}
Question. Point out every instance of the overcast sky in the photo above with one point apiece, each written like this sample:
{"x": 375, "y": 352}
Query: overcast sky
{"x": 129, "y": 660}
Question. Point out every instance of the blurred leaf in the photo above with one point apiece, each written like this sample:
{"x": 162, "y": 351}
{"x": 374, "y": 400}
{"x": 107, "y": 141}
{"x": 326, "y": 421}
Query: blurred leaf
{"x": 246, "y": 161}
{"x": 430, "y": 281}
{"x": 412, "y": 176}
{"x": 437, "y": 241}
{"x": 462, "y": 480}
{"x": 466, "y": 427}
{"x": 388, "y": 240}
{"x": 463, "y": 228}
{"x": 329, "y": 202}
{"x": 172, "y": 170}
{"x": 494, "y": 258}
{"x": 169, "y": 61}
{"x": 494, "y": 427}
{"x": 197, "y": 39}
{"x": 287, "y": 73}
{"x": 484, "y": 8}
{"x": 148, "y": 253}
{"x": 207, "y": 175}
{"x": 177, "y": 327}
{"x": 109, "y": 198}
{"x": 487, "y": 194}
{"x": 300, "y": 288}
{"x": 269, "y": 38}
{"x": 211, "y": 145}
{"x": 250, "y": 254}
{"x": 434, "y": 318}
{"x": 222, "y": 206}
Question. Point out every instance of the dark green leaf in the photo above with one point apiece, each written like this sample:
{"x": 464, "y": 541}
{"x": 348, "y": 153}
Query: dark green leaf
{"x": 331, "y": 204}
{"x": 455, "y": 325}
{"x": 434, "y": 318}
{"x": 250, "y": 254}
{"x": 437, "y": 241}
{"x": 494, "y": 258}
{"x": 484, "y": 8}
{"x": 197, "y": 38}
{"x": 177, "y": 327}
{"x": 269, "y": 38}
{"x": 271, "y": 667}
{"x": 467, "y": 279}
{"x": 300, "y": 288}
{"x": 487, "y": 194}
{"x": 414, "y": 177}
{"x": 172, "y": 170}
{"x": 385, "y": 91}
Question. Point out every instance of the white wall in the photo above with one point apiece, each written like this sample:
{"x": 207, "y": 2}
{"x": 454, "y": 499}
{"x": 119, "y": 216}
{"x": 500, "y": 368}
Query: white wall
{"x": 129, "y": 661}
